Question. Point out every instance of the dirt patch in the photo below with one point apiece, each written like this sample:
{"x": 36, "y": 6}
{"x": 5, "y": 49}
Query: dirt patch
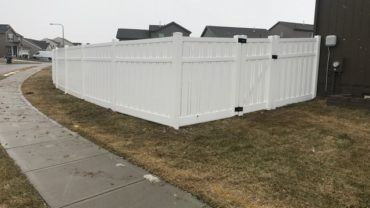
{"x": 15, "y": 190}
{"x": 305, "y": 155}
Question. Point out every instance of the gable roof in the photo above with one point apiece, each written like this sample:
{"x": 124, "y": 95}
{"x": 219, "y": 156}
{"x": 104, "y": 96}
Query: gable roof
{"x": 154, "y": 27}
{"x": 167, "y": 25}
{"x": 229, "y": 32}
{"x": 123, "y": 33}
{"x": 4, "y": 28}
{"x": 132, "y": 34}
{"x": 59, "y": 40}
{"x": 42, "y": 44}
{"x": 295, "y": 26}
{"x": 49, "y": 41}
{"x": 29, "y": 42}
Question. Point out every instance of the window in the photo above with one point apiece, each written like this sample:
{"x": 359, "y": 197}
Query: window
{"x": 161, "y": 35}
{"x": 10, "y": 36}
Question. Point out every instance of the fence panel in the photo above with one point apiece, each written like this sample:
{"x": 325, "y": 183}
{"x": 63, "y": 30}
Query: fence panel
{"x": 75, "y": 74}
{"x": 179, "y": 81}
{"x": 296, "y": 67}
{"x": 208, "y": 65}
{"x": 144, "y": 79}
{"x": 60, "y": 68}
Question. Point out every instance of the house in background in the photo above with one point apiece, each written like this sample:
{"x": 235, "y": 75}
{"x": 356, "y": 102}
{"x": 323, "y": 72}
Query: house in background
{"x": 292, "y": 30}
{"x": 10, "y": 41}
{"x": 45, "y": 46}
{"x": 349, "y": 21}
{"x": 154, "y": 31}
{"x": 59, "y": 41}
{"x": 29, "y": 48}
{"x": 51, "y": 42}
{"x": 229, "y": 32}
{"x": 34, "y": 46}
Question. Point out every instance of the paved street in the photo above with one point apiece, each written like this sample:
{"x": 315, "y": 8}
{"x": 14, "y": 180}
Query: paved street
{"x": 5, "y": 68}
{"x": 68, "y": 170}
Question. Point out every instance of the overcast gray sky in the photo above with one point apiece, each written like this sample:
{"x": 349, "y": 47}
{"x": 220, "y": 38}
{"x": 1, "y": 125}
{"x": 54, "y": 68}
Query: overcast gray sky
{"x": 97, "y": 21}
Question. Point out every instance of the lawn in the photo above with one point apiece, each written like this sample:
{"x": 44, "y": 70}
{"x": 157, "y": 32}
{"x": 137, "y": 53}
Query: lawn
{"x": 304, "y": 155}
{"x": 15, "y": 190}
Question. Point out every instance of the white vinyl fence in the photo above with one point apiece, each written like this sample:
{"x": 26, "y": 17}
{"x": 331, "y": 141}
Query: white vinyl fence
{"x": 179, "y": 81}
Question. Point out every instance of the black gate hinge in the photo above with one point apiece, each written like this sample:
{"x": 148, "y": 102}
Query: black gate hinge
{"x": 275, "y": 56}
{"x": 239, "y": 109}
{"x": 242, "y": 40}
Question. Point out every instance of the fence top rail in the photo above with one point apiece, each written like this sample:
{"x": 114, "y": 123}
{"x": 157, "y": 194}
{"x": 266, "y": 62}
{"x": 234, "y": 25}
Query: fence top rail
{"x": 258, "y": 40}
{"x": 294, "y": 40}
{"x": 188, "y": 39}
{"x": 211, "y": 40}
{"x": 98, "y": 45}
{"x": 145, "y": 41}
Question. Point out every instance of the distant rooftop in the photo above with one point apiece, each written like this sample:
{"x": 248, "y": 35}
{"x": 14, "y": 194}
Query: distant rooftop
{"x": 229, "y": 32}
{"x": 296, "y": 26}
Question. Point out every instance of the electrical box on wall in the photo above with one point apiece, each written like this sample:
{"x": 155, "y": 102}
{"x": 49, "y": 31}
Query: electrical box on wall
{"x": 331, "y": 40}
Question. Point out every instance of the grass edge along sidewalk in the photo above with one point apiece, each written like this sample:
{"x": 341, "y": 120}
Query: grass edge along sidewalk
{"x": 15, "y": 189}
{"x": 304, "y": 155}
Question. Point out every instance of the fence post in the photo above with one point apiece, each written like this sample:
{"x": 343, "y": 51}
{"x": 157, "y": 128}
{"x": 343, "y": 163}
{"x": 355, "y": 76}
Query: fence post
{"x": 177, "y": 69}
{"x": 66, "y": 69}
{"x": 316, "y": 65}
{"x": 114, "y": 78}
{"x": 83, "y": 70}
{"x": 236, "y": 90}
{"x": 272, "y": 82}
{"x": 55, "y": 59}
{"x": 52, "y": 66}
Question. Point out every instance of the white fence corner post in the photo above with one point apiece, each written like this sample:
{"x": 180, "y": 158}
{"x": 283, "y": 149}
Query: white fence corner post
{"x": 239, "y": 39}
{"x": 315, "y": 75}
{"x": 177, "y": 69}
{"x": 272, "y": 82}
{"x": 114, "y": 81}
{"x": 66, "y": 69}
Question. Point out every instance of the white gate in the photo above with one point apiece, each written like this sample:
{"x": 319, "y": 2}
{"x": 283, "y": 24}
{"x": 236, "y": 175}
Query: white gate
{"x": 253, "y": 75}
{"x": 275, "y": 72}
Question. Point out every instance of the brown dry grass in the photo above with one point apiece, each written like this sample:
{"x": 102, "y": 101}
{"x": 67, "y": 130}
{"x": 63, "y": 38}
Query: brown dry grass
{"x": 305, "y": 155}
{"x": 15, "y": 190}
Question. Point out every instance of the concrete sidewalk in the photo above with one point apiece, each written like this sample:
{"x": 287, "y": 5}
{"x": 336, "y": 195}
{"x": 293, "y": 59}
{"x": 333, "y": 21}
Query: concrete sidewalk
{"x": 70, "y": 171}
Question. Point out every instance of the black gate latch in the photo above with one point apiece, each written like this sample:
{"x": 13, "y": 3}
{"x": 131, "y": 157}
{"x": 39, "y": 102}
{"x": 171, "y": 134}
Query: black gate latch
{"x": 242, "y": 40}
{"x": 239, "y": 109}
